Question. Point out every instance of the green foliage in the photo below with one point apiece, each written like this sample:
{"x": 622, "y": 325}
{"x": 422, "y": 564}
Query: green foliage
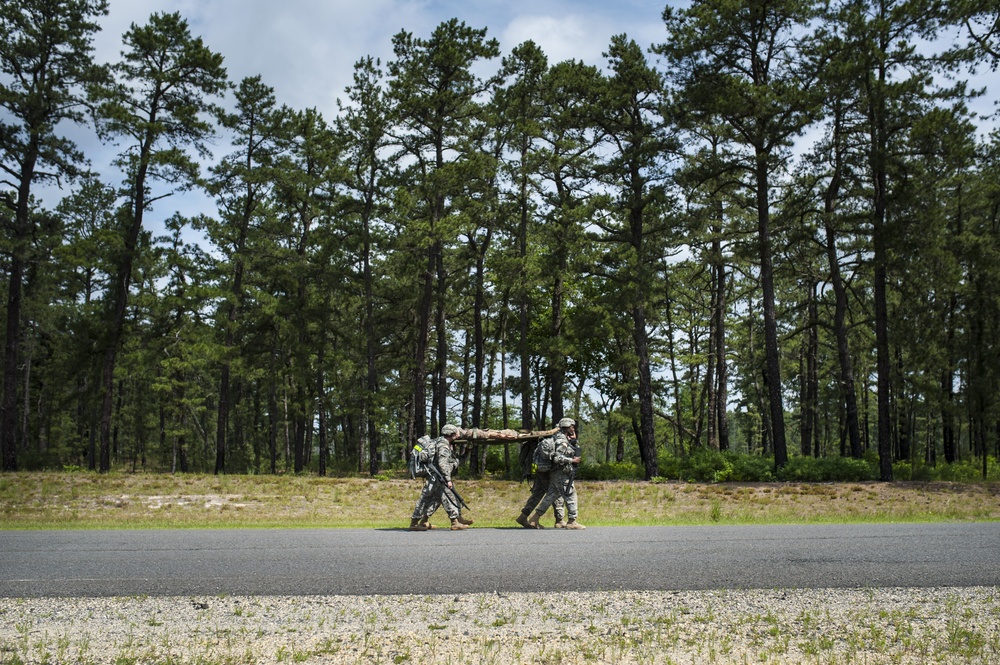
{"x": 827, "y": 469}
{"x": 705, "y": 465}
{"x": 743, "y": 468}
{"x": 965, "y": 471}
{"x": 611, "y": 471}
{"x": 712, "y": 466}
{"x": 33, "y": 460}
{"x": 495, "y": 459}
{"x": 453, "y": 237}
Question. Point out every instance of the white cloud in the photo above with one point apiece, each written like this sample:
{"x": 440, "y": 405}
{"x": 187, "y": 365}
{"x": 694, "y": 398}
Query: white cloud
{"x": 585, "y": 30}
{"x": 306, "y": 49}
{"x": 562, "y": 38}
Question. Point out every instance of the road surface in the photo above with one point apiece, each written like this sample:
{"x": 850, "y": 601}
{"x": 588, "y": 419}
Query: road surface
{"x": 394, "y": 561}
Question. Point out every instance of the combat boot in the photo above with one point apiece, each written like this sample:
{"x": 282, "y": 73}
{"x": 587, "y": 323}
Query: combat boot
{"x": 573, "y": 524}
{"x": 415, "y": 525}
{"x": 425, "y": 523}
{"x": 458, "y": 526}
{"x": 522, "y": 519}
{"x": 560, "y": 524}
{"x": 465, "y": 521}
{"x": 533, "y": 522}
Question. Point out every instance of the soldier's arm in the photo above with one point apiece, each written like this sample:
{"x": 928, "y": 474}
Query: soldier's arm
{"x": 561, "y": 458}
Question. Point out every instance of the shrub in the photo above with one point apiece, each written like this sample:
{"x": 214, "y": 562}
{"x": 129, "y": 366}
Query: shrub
{"x": 712, "y": 466}
{"x": 611, "y": 471}
{"x": 827, "y": 469}
{"x": 701, "y": 466}
{"x": 965, "y": 471}
{"x": 708, "y": 466}
{"x": 750, "y": 468}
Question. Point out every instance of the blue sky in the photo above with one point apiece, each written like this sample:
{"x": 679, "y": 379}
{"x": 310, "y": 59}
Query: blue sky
{"x": 306, "y": 49}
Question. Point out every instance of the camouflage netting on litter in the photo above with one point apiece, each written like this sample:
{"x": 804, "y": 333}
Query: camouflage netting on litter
{"x": 477, "y": 435}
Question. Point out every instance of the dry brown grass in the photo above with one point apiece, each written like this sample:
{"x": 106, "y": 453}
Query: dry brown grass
{"x": 88, "y": 500}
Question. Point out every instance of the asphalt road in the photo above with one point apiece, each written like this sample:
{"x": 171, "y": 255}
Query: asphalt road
{"x": 357, "y": 561}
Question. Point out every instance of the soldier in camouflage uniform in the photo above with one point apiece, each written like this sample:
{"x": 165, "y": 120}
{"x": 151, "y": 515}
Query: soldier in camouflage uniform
{"x": 541, "y": 469}
{"x": 564, "y": 462}
{"x": 435, "y": 493}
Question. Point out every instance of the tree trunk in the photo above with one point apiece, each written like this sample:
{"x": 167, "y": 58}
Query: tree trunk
{"x": 272, "y": 424}
{"x": 647, "y": 432}
{"x": 222, "y": 415}
{"x": 848, "y": 393}
{"x": 479, "y": 354}
{"x": 712, "y": 435}
{"x": 524, "y": 302}
{"x": 321, "y": 405}
{"x": 810, "y": 376}
{"x": 8, "y": 401}
{"x": 371, "y": 375}
{"x": 232, "y": 314}
{"x": 668, "y": 307}
{"x": 441, "y": 386}
{"x": 772, "y": 352}
{"x": 299, "y": 429}
{"x": 948, "y": 418}
{"x": 882, "y": 330}
{"x": 948, "y": 388}
{"x": 424, "y": 308}
{"x": 119, "y": 299}
{"x": 878, "y": 134}
{"x": 722, "y": 392}
{"x": 557, "y": 361}
{"x": 18, "y": 247}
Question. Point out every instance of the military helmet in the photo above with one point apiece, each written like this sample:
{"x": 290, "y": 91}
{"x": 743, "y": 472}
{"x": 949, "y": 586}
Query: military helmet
{"x": 566, "y": 422}
{"x": 448, "y": 430}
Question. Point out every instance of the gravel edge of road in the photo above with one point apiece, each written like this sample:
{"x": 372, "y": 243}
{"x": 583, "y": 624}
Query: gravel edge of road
{"x": 894, "y": 625}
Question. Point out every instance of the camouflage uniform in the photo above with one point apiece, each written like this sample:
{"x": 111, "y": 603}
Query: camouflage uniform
{"x": 433, "y": 493}
{"x": 561, "y": 478}
{"x": 542, "y": 470}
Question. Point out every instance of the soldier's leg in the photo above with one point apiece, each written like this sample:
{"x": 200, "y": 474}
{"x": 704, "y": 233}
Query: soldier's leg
{"x": 550, "y": 497}
{"x": 425, "y": 496}
{"x": 453, "y": 509}
{"x": 572, "y": 507}
{"x": 539, "y": 486}
{"x": 450, "y": 505}
{"x": 431, "y": 498}
{"x": 418, "y": 520}
{"x": 559, "y": 508}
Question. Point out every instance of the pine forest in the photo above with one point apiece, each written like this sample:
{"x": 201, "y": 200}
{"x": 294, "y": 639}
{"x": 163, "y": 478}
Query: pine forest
{"x": 776, "y": 233}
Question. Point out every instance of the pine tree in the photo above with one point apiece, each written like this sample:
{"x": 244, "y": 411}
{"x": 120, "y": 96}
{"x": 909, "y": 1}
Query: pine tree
{"x": 242, "y": 184}
{"x": 45, "y": 59}
{"x": 365, "y": 123}
{"x": 435, "y": 97}
{"x": 636, "y": 173}
{"x": 743, "y": 63}
{"x": 156, "y": 104}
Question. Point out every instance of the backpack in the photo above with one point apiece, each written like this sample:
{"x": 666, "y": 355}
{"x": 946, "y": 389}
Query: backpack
{"x": 422, "y": 456}
{"x": 541, "y": 460}
{"x": 525, "y": 457}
